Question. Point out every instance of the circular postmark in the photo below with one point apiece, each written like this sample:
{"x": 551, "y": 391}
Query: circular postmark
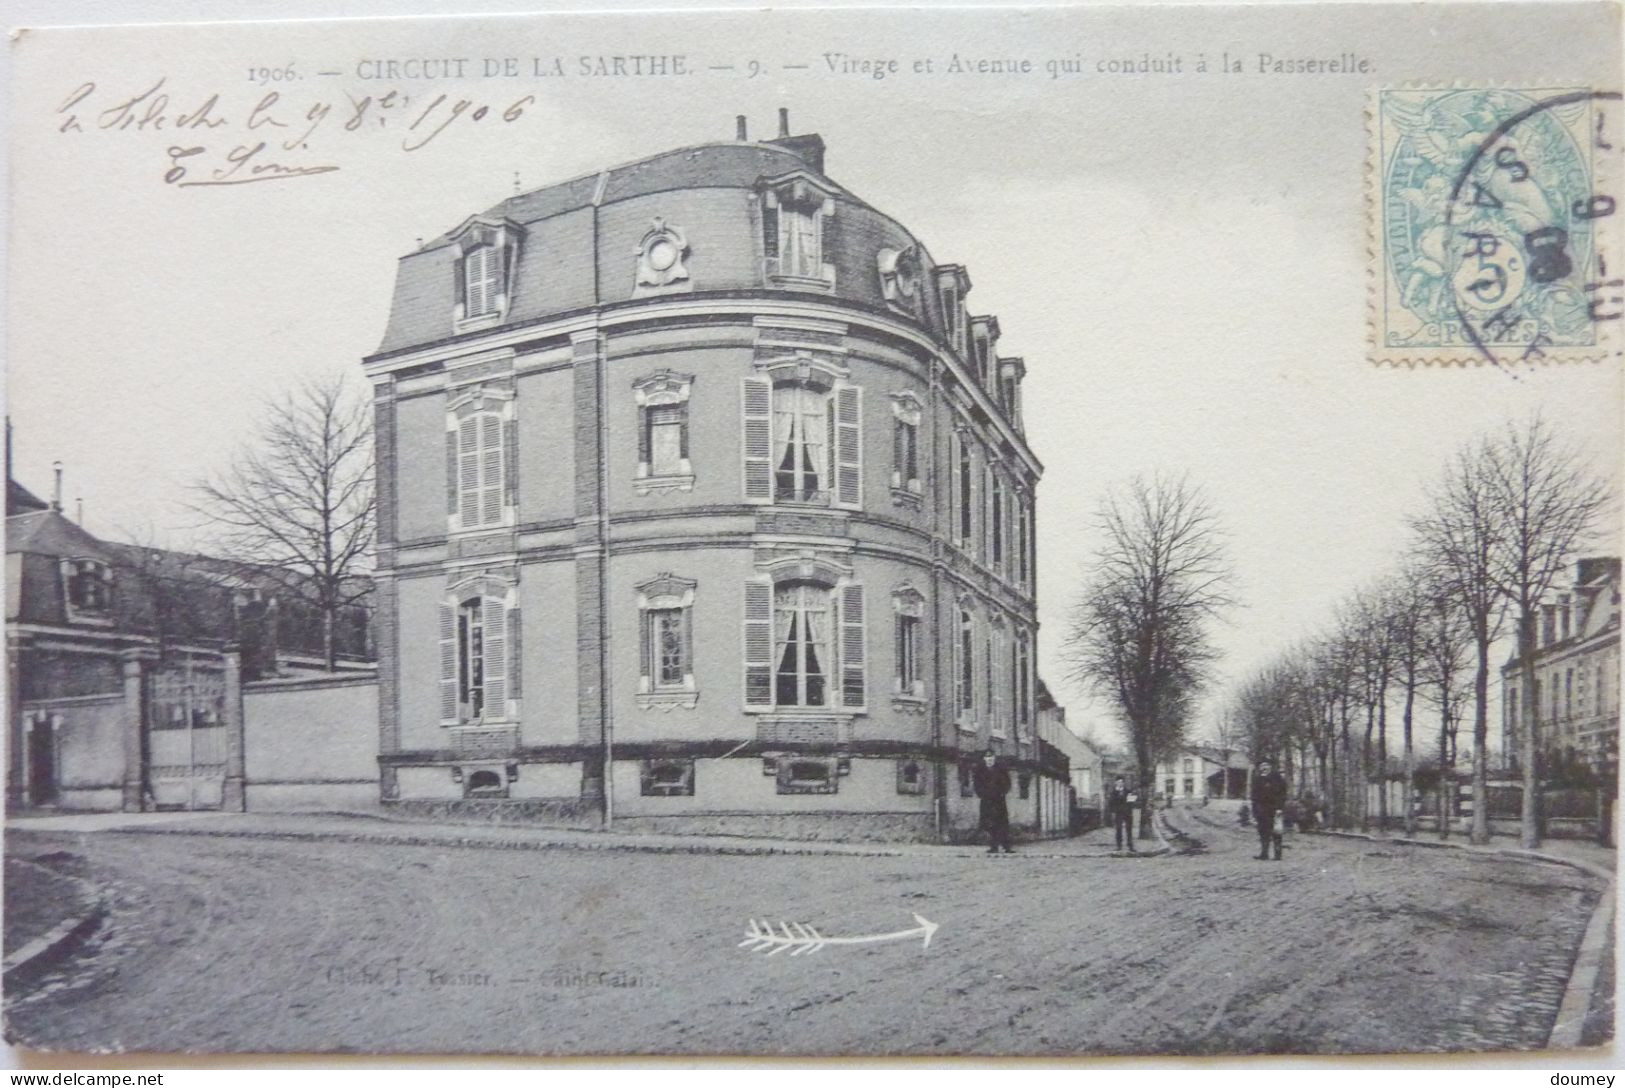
{"x": 1527, "y": 259}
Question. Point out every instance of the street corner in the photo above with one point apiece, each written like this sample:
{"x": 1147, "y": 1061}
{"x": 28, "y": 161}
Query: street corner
{"x": 51, "y": 906}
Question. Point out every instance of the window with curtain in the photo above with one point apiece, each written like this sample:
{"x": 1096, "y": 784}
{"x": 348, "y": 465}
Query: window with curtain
{"x": 802, "y": 420}
{"x": 802, "y": 649}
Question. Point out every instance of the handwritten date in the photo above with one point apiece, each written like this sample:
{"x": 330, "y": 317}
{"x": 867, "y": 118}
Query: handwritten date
{"x": 269, "y": 138}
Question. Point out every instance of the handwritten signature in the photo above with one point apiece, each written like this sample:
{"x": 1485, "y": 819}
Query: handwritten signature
{"x": 268, "y": 129}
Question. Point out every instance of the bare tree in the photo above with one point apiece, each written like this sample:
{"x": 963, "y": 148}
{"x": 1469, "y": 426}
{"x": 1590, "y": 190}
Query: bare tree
{"x": 1139, "y": 631}
{"x": 1460, "y": 541}
{"x": 1228, "y": 737}
{"x": 299, "y": 498}
{"x": 1546, "y": 500}
{"x": 1409, "y": 602}
{"x": 1445, "y": 637}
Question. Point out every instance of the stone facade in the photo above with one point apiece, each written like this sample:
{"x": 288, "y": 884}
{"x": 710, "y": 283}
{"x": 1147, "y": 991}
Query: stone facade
{"x": 1576, "y": 676}
{"x": 707, "y": 505}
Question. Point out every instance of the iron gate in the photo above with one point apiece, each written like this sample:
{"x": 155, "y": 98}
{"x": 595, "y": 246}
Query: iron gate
{"x": 186, "y": 742}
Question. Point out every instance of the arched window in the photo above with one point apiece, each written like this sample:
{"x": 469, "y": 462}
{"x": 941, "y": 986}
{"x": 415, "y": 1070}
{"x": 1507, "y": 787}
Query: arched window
{"x": 802, "y": 644}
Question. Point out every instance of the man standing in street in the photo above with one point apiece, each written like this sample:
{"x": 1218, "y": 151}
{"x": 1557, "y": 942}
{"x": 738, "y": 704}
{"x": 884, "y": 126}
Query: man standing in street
{"x": 992, "y": 784}
{"x": 1121, "y": 807}
{"x": 1269, "y": 797}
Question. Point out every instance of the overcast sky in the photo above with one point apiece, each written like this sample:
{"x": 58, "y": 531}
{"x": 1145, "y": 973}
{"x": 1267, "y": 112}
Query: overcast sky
{"x": 1181, "y": 260}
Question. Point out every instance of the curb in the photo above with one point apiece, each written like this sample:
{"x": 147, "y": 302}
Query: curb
{"x": 1576, "y": 1004}
{"x": 63, "y": 938}
{"x": 606, "y": 844}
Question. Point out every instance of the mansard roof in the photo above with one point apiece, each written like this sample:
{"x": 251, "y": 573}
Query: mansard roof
{"x": 706, "y": 166}
{"x": 48, "y": 532}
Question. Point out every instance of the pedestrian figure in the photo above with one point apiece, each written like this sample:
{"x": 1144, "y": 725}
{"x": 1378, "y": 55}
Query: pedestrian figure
{"x": 1121, "y": 806}
{"x": 1269, "y": 798}
{"x": 992, "y": 784}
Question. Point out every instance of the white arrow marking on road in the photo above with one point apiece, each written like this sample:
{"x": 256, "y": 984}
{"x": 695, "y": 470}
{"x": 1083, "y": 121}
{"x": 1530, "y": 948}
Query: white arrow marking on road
{"x": 799, "y": 937}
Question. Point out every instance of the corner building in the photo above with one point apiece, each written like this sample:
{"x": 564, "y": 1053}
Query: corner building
{"x": 704, "y": 505}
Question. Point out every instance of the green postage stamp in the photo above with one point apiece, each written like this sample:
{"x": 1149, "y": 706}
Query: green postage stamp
{"x": 1494, "y": 225}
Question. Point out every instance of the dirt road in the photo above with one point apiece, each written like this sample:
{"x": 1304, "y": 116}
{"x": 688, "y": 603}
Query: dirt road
{"x": 1345, "y": 946}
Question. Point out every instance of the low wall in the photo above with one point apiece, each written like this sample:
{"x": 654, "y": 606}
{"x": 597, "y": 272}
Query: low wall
{"x": 806, "y": 826}
{"x": 311, "y": 743}
{"x": 546, "y": 812}
{"x": 89, "y": 738}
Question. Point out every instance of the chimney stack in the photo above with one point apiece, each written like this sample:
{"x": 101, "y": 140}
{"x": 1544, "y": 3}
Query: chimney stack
{"x": 784, "y": 122}
{"x": 79, "y": 510}
{"x": 56, "y": 497}
{"x": 739, "y": 125}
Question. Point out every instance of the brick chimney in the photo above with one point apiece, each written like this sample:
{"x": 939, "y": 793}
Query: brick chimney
{"x": 809, "y": 147}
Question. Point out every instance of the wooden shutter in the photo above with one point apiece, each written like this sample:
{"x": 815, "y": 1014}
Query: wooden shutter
{"x": 459, "y": 284}
{"x": 504, "y": 284}
{"x": 510, "y": 462}
{"x": 644, "y": 454}
{"x": 491, "y": 468}
{"x": 451, "y": 472}
{"x": 448, "y": 665}
{"x": 646, "y": 637}
{"x": 516, "y": 655}
{"x": 495, "y": 622}
{"x": 849, "y": 446}
{"x": 826, "y": 240}
{"x": 474, "y": 264}
{"x": 758, "y": 644}
{"x": 757, "y": 402}
{"x": 770, "y": 230}
{"x": 468, "y": 476}
{"x": 852, "y": 671}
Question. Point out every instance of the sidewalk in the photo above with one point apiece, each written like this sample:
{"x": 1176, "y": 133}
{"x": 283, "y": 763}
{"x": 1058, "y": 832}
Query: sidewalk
{"x": 1598, "y": 860}
{"x": 373, "y": 827}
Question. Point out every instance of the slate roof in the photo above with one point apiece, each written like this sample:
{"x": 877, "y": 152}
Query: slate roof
{"x": 719, "y": 165}
{"x": 47, "y": 532}
{"x": 20, "y": 500}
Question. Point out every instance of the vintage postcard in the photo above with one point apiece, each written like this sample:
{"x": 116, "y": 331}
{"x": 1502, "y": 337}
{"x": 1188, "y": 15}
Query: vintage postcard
{"x": 1054, "y": 531}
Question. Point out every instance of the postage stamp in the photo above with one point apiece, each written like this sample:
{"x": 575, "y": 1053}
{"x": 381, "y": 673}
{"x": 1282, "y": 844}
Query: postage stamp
{"x": 1492, "y": 218}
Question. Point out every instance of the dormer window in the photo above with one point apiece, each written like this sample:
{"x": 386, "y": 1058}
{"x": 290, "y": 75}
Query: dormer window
{"x": 482, "y": 280}
{"x": 982, "y": 349}
{"x": 798, "y": 214}
{"x": 900, "y": 277}
{"x": 482, "y": 271}
{"x": 952, "y": 287}
{"x": 1011, "y": 372}
{"x": 89, "y": 585}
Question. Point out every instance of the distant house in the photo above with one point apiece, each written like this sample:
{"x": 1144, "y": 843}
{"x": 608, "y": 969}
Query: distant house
{"x": 125, "y": 664}
{"x": 1202, "y": 771}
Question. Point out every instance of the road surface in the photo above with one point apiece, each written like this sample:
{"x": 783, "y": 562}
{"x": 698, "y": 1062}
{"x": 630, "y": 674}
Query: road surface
{"x": 1345, "y": 946}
